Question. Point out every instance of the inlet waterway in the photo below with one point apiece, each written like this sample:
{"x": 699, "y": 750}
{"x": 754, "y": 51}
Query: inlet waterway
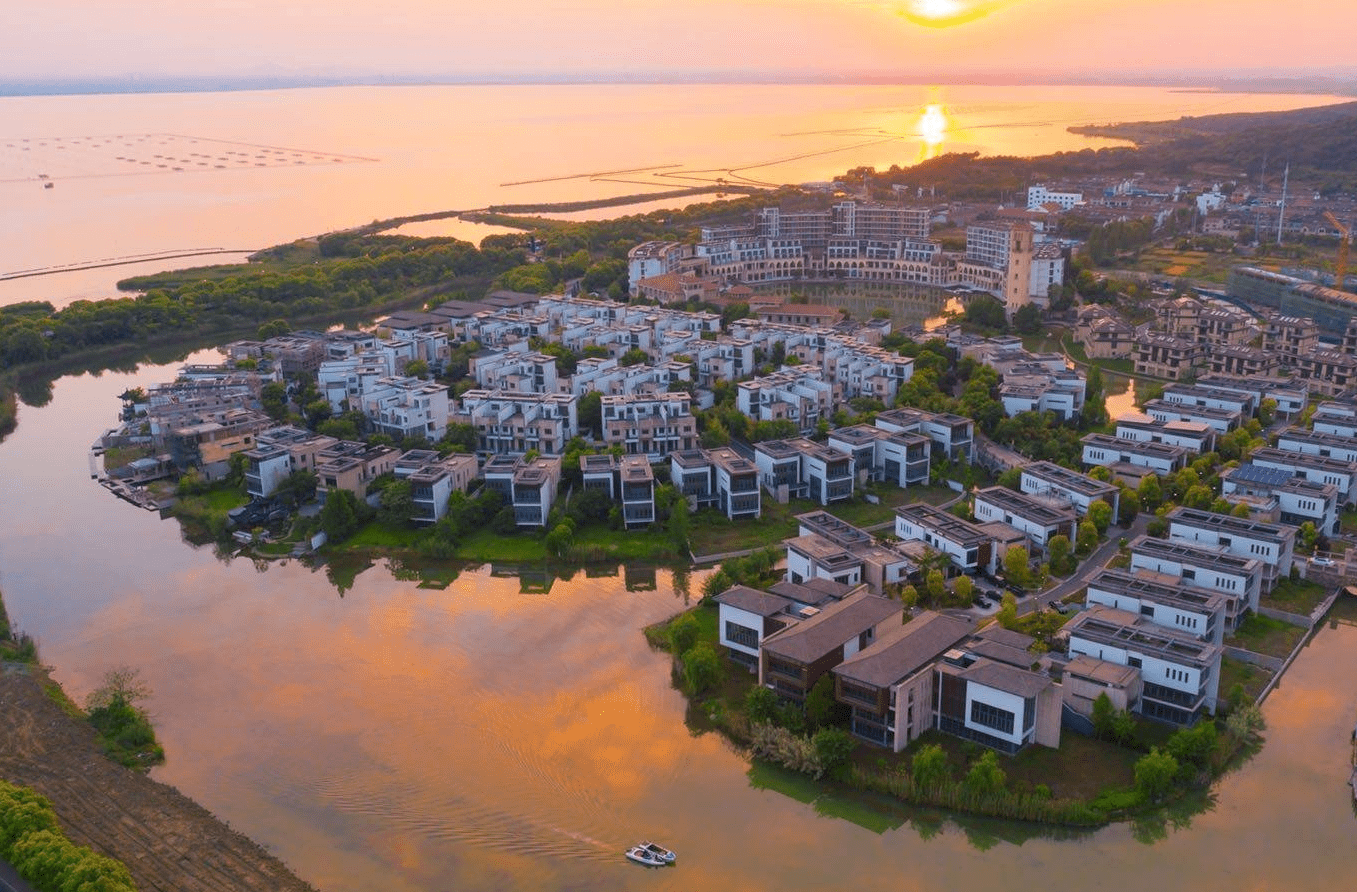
{"x": 508, "y": 734}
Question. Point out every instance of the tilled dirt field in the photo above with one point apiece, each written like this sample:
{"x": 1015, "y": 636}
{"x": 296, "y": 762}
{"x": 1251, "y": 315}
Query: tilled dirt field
{"x": 168, "y": 841}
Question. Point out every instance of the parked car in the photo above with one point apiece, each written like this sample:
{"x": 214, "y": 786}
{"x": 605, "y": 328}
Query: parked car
{"x": 1323, "y": 562}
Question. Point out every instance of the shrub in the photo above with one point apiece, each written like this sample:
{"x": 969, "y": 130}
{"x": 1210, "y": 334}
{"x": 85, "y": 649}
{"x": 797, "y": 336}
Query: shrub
{"x": 701, "y": 668}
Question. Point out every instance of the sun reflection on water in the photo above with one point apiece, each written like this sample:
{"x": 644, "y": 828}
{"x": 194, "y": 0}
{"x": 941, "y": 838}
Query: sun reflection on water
{"x": 932, "y": 129}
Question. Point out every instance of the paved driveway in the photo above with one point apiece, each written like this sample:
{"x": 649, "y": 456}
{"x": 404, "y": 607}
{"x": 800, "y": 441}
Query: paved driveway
{"x": 1095, "y": 562}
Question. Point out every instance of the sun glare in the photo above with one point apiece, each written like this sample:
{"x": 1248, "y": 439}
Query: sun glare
{"x": 945, "y": 13}
{"x": 932, "y": 129}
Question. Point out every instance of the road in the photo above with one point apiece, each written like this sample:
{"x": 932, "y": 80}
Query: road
{"x": 10, "y": 882}
{"x": 1095, "y": 562}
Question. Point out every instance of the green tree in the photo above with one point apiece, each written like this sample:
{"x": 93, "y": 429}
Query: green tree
{"x": 397, "y": 504}
{"x": 276, "y": 328}
{"x": 929, "y": 768}
{"x": 833, "y": 747}
{"x": 561, "y": 537}
{"x": 1193, "y": 746}
{"x": 1027, "y": 320}
{"x": 1087, "y": 539}
{"x": 1306, "y": 537}
{"x": 963, "y": 588}
{"x": 634, "y": 356}
{"x": 273, "y": 397}
{"x": 935, "y": 585}
{"x": 1059, "y": 547}
{"x": 1104, "y": 714}
{"x": 1198, "y": 497}
{"x": 909, "y": 596}
{"x": 1008, "y": 611}
{"x": 821, "y": 707}
{"x": 760, "y": 704}
{"x": 701, "y": 668}
{"x": 1017, "y": 566}
{"x": 590, "y": 412}
{"x": 340, "y": 517}
{"x": 1128, "y": 507}
{"x": 985, "y": 777}
{"x": 1155, "y": 773}
{"x": 683, "y": 633}
{"x": 1100, "y": 515}
{"x": 1150, "y": 492}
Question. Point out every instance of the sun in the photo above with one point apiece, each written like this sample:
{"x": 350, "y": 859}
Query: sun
{"x": 945, "y": 13}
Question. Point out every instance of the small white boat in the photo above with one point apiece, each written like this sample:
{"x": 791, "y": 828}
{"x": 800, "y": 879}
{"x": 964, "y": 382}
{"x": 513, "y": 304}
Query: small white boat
{"x": 658, "y": 851}
{"x": 644, "y": 856}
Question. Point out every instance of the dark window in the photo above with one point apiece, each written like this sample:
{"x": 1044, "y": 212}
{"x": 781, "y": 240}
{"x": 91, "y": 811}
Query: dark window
{"x": 987, "y": 716}
{"x": 742, "y": 635}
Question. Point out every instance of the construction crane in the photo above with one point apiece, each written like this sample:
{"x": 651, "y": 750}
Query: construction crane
{"x": 1340, "y": 269}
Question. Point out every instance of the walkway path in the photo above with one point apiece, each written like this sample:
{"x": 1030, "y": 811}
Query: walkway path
{"x": 10, "y": 882}
{"x": 1095, "y": 562}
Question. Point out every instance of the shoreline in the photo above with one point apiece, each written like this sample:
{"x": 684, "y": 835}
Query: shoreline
{"x": 164, "y": 838}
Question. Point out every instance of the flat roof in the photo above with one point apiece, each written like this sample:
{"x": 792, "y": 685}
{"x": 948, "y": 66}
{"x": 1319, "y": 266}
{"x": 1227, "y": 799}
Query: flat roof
{"x": 1024, "y": 506}
{"x": 1104, "y": 672}
{"x": 841, "y": 532}
{"x": 1301, "y": 459}
{"x": 1196, "y": 555}
{"x": 1055, "y": 475}
{"x": 1153, "y": 587}
{"x": 942, "y": 522}
{"x": 1241, "y": 526}
{"x": 1142, "y": 447}
{"x": 1129, "y": 631}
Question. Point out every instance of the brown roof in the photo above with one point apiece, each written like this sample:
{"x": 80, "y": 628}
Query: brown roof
{"x": 1009, "y": 679}
{"x": 900, "y": 652}
{"x": 742, "y": 597}
{"x": 836, "y": 624}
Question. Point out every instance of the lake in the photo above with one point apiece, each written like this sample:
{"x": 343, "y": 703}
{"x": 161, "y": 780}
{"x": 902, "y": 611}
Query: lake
{"x": 139, "y": 174}
{"x": 494, "y": 735}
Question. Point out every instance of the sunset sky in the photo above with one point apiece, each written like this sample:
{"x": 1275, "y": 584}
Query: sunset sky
{"x": 462, "y": 38}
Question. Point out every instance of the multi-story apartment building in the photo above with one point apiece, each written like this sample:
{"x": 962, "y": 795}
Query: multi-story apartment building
{"x": 1166, "y": 601}
{"x": 1229, "y": 400}
{"x": 1165, "y": 356}
{"x": 1051, "y": 481}
{"x": 1032, "y": 390}
{"x": 1297, "y": 499}
{"x": 1289, "y": 337}
{"x": 802, "y": 397}
{"x": 1048, "y": 271}
{"x": 999, "y": 703}
{"x": 1222, "y": 421}
{"x": 1100, "y": 449}
{"x": 1035, "y": 517}
{"x": 528, "y": 487}
{"x": 280, "y": 452}
{"x": 792, "y": 659}
{"x": 1314, "y": 468}
{"x": 1272, "y": 544}
{"x": 1238, "y": 578}
{"x": 1337, "y": 418}
{"x": 968, "y": 547}
{"x": 650, "y": 425}
{"x": 1039, "y": 196}
{"x": 1180, "y": 673}
{"x": 407, "y": 407}
{"x": 352, "y": 466}
{"x": 1327, "y": 372}
{"x": 1191, "y": 435}
{"x": 897, "y": 458}
{"x": 952, "y": 435}
{"x": 1314, "y": 442}
{"x": 1289, "y": 397}
{"x": 515, "y": 423}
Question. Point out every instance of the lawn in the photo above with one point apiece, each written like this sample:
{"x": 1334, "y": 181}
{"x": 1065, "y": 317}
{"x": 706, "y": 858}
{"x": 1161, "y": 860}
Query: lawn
{"x": 1264, "y": 635}
{"x": 1237, "y": 672}
{"x": 1348, "y": 521}
{"x": 1080, "y": 769}
{"x": 1296, "y": 596}
{"x": 378, "y": 535}
{"x": 223, "y": 499}
{"x": 121, "y": 456}
{"x": 712, "y": 533}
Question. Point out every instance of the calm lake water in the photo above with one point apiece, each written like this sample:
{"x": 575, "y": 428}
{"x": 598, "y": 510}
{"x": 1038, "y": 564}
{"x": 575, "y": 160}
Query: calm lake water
{"x": 136, "y": 174}
{"x": 488, "y": 737}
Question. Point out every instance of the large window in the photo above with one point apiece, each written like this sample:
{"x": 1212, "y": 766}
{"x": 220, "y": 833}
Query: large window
{"x": 987, "y": 716}
{"x": 741, "y": 635}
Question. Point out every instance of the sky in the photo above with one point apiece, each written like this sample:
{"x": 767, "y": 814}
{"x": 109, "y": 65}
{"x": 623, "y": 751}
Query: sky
{"x": 948, "y": 40}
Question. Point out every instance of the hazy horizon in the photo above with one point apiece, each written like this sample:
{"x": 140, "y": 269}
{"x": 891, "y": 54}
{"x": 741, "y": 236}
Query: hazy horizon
{"x": 163, "y": 43}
